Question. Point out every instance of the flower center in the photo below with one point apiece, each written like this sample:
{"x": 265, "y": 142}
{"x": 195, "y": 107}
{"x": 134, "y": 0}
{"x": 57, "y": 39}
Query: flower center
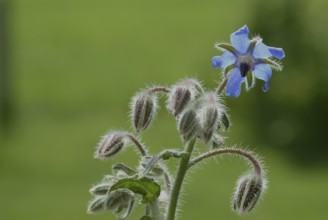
{"x": 244, "y": 68}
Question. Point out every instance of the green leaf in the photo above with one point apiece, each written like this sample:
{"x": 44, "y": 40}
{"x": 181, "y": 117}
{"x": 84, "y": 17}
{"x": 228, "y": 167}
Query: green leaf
{"x": 144, "y": 186}
{"x": 146, "y": 217}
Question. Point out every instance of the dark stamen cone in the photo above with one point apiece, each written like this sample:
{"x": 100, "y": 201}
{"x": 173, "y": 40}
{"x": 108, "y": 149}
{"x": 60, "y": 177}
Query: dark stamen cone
{"x": 244, "y": 69}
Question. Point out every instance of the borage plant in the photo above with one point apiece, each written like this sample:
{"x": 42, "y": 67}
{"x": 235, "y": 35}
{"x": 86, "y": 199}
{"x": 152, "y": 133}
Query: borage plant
{"x": 200, "y": 115}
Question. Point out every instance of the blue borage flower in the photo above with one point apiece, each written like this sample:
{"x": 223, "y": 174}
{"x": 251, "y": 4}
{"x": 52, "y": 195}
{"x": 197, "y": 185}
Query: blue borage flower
{"x": 245, "y": 56}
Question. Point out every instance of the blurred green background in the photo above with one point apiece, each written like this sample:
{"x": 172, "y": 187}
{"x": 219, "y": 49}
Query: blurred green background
{"x": 74, "y": 64}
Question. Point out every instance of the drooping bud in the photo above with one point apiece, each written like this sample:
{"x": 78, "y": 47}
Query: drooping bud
{"x": 188, "y": 124}
{"x": 111, "y": 144}
{"x": 143, "y": 109}
{"x": 119, "y": 200}
{"x": 115, "y": 201}
{"x": 181, "y": 94}
{"x": 97, "y": 205}
{"x": 209, "y": 114}
{"x": 248, "y": 191}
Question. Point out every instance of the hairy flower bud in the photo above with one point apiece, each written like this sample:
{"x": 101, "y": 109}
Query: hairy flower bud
{"x": 179, "y": 98}
{"x": 119, "y": 200}
{"x": 143, "y": 109}
{"x": 116, "y": 201}
{"x": 111, "y": 144}
{"x": 100, "y": 189}
{"x": 97, "y": 204}
{"x": 209, "y": 115}
{"x": 188, "y": 124}
{"x": 248, "y": 191}
{"x": 181, "y": 94}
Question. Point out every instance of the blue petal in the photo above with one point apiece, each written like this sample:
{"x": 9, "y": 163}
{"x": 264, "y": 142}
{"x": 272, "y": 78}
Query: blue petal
{"x": 225, "y": 60}
{"x": 234, "y": 83}
{"x": 239, "y": 40}
{"x": 264, "y": 72}
{"x": 261, "y": 51}
{"x": 277, "y": 52}
{"x": 265, "y": 87}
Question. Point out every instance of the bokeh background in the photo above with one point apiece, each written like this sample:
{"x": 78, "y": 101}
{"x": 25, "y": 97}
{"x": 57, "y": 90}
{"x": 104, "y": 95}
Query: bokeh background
{"x": 68, "y": 70}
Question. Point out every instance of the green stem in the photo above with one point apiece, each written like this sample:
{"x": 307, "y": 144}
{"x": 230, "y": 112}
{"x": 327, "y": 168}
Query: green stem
{"x": 183, "y": 167}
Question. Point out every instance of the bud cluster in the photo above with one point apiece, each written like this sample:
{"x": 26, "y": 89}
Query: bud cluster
{"x": 115, "y": 201}
{"x": 202, "y": 118}
{"x": 181, "y": 94}
{"x": 199, "y": 114}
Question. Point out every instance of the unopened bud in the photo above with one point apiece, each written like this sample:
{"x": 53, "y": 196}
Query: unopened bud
{"x": 248, "y": 191}
{"x": 97, "y": 205}
{"x": 100, "y": 189}
{"x": 111, "y": 144}
{"x": 209, "y": 114}
{"x": 143, "y": 109}
{"x": 120, "y": 199}
{"x": 188, "y": 124}
{"x": 209, "y": 122}
{"x": 179, "y": 98}
{"x": 181, "y": 94}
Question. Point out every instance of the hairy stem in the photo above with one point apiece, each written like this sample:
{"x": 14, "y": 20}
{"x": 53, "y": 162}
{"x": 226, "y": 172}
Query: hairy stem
{"x": 221, "y": 86}
{"x": 156, "y": 213}
{"x": 140, "y": 147}
{"x": 183, "y": 167}
{"x": 159, "y": 89}
{"x": 167, "y": 180}
{"x": 256, "y": 163}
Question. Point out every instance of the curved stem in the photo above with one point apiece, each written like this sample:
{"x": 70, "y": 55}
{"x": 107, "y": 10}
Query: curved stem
{"x": 183, "y": 167}
{"x": 159, "y": 89}
{"x": 256, "y": 163}
{"x": 140, "y": 147}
